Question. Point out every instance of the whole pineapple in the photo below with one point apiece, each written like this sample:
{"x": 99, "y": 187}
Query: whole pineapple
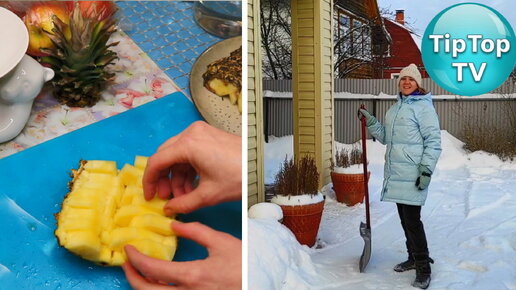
{"x": 80, "y": 55}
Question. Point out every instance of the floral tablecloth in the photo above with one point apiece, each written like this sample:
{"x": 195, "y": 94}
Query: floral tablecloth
{"x": 138, "y": 81}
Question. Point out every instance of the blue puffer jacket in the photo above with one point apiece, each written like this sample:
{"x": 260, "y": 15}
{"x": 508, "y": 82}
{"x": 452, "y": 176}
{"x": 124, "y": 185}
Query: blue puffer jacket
{"x": 413, "y": 137}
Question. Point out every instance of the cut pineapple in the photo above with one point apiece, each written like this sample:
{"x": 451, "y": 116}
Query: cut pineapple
{"x": 131, "y": 175}
{"x": 106, "y": 210}
{"x": 223, "y": 77}
{"x": 140, "y": 162}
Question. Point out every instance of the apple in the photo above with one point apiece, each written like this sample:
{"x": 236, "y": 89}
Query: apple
{"x": 96, "y": 9}
{"x": 38, "y": 20}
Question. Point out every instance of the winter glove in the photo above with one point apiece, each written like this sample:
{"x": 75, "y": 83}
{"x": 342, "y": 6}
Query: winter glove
{"x": 370, "y": 119}
{"x": 423, "y": 180}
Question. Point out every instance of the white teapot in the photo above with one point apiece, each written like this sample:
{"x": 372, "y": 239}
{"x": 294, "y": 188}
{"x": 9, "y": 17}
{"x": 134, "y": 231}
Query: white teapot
{"x": 21, "y": 77}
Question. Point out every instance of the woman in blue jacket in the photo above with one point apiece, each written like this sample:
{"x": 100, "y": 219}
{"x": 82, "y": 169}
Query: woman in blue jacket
{"x": 413, "y": 138}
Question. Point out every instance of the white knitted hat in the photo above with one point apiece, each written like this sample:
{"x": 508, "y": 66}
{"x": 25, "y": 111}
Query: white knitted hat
{"x": 411, "y": 71}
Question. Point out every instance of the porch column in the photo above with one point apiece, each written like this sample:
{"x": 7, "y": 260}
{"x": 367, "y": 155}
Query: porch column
{"x": 312, "y": 82}
{"x": 255, "y": 182}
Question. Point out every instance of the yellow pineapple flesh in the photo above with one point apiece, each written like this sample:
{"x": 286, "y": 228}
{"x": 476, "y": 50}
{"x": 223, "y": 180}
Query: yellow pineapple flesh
{"x": 106, "y": 210}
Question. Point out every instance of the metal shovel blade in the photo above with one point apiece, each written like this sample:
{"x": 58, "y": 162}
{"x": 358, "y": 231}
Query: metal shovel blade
{"x": 366, "y": 253}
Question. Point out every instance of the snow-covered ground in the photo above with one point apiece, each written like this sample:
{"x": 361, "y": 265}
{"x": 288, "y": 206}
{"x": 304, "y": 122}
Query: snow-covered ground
{"x": 469, "y": 218}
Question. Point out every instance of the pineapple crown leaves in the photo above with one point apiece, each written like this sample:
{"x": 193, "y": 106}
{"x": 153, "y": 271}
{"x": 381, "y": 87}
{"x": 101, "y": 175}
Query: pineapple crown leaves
{"x": 79, "y": 56}
{"x": 297, "y": 177}
{"x": 83, "y": 41}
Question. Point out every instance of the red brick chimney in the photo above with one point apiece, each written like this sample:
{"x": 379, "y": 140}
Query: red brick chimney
{"x": 400, "y": 16}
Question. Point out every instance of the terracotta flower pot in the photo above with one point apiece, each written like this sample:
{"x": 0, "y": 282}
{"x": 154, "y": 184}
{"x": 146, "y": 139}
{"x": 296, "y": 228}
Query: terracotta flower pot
{"x": 349, "y": 188}
{"x": 303, "y": 221}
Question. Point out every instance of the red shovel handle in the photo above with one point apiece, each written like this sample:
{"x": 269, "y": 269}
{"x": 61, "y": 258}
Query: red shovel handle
{"x": 364, "y": 160}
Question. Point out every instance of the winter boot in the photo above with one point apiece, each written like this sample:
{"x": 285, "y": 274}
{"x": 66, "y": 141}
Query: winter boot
{"x": 423, "y": 270}
{"x": 409, "y": 264}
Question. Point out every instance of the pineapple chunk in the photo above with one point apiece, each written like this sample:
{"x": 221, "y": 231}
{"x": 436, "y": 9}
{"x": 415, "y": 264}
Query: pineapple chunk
{"x": 97, "y": 166}
{"x": 118, "y": 258}
{"x": 122, "y": 236}
{"x": 106, "y": 210}
{"x": 153, "y": 249}
{"x": 84, "y": 242}
{"x": 156, "y": 223}
{"x": 222, "y": 88}
{"x": 156, "y": 204}
{"x": 131, "y": 175}
{"x": 140, "y": 162}
{"x": 130, "y": 193}
{"x": 125, "y": 214}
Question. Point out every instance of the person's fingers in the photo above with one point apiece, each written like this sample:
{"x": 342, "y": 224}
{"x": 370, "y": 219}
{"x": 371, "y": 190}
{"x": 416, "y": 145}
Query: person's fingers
{"x": 202, "y": 234}
{"x": 185, "y": 203}
{"x": 164, "y": 186}
{"x": 168, "y": 143}
{"x": 190, "y": 179}
{"x": 158, "y": 163}
{"x": 178, "y": 179}
{"x": 159, "y": 270}
{"x": 137, "y": 281}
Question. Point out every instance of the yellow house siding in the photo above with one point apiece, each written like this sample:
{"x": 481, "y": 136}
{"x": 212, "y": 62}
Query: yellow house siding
{"x": 255, "y": 187}
{"x": 313, "y": 82}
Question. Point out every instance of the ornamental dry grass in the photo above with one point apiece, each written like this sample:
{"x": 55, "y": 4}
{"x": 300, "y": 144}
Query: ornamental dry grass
{"x": 297, "y": 178}
{"x": 345, "y": 158}
{"x": 500, "y": 141}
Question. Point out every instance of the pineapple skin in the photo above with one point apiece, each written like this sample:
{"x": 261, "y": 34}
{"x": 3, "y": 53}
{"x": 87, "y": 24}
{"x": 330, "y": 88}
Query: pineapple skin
{"x": 224, "y": 77}
{"x": 105, "y": 210}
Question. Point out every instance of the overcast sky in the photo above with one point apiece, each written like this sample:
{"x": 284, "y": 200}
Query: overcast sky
{"x": 420, "y": 12}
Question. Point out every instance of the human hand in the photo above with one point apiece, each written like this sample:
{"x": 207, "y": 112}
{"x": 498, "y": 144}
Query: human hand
{"x": 370, "y": 119}
{"x": 222, "y": 269}
{"x": 214, "y": 155}
{"x": 423, "y": 180}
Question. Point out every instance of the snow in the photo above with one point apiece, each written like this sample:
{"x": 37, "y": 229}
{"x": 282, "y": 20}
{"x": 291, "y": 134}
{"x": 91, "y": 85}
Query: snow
{"x": 298, "y": 199}
{"x": 469, "y": 218}
{"x": 265, "y": 210}
{"x": 415, "y": 36}
{"x": 272, "y": 94}
{"x": 417, "y": 39}
{"x": 353, "y": 169}
{"x": 275, "y": 152}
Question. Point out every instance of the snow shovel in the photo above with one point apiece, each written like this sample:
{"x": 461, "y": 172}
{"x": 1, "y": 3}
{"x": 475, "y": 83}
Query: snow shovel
{"x": 365, "y": 229}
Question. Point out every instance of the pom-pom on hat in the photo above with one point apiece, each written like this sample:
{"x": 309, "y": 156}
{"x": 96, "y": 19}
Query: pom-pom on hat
{"x": 411, "y": 71}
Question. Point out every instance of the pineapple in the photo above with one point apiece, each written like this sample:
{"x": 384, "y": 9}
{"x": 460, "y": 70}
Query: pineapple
{"x": 79, "y": 57}
{"x": 106, "y": 210}
{"x": 224, "y": 78}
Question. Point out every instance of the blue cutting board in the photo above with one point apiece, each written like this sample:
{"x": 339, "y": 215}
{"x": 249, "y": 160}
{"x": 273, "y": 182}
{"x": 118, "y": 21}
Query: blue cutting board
{"x": 34, "y": 182}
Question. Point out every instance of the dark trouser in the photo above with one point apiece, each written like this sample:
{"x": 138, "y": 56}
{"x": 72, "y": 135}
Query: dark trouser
{"x": 410, "y": 216}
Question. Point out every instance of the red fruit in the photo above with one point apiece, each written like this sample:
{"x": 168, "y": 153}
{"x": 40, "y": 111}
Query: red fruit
{"x": 96, "y": 9}
{"x": 39, "y": 19}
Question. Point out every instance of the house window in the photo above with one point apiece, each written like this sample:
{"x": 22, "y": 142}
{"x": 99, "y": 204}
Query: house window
{"x": 353, "y": 36}
{"x": 344, "y": 22}
{"x": 395, "y": 76}
{"x": 342, "y": 33}
{"x": 366, "y": 44}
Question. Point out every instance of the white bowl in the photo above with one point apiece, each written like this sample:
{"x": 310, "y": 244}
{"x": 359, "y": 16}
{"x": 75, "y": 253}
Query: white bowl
{"x": 14, "y": 33}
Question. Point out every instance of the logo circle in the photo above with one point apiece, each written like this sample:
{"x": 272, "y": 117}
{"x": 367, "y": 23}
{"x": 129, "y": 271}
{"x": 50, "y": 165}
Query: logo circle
{"x": 468, "y": 50}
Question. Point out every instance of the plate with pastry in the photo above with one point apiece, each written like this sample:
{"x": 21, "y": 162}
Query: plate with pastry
{"x": 216, "y": 85}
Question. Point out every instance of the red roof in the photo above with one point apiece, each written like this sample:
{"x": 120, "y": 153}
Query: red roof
{"x": 403, "y": 49}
